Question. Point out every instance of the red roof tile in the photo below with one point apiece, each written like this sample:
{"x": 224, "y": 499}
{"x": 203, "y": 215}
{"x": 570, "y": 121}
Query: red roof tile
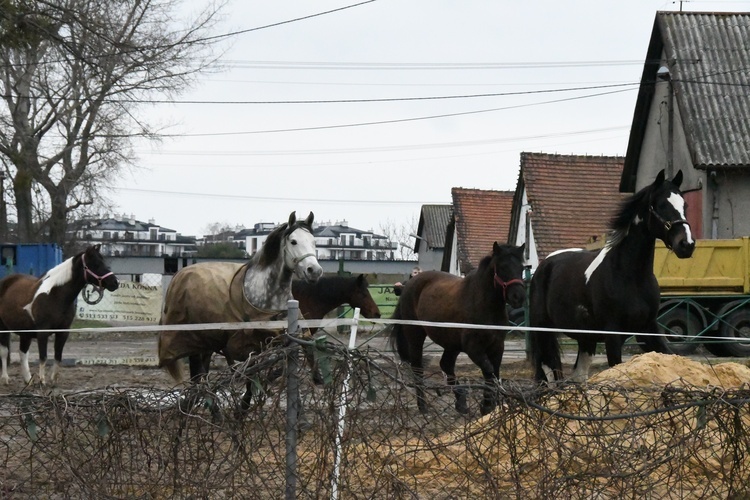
{"x": 572, "y": 197}
{"x": 481, "y": 218}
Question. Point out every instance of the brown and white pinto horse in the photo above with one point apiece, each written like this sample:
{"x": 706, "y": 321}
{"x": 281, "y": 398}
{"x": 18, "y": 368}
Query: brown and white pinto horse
{"x": 47, "y": 303}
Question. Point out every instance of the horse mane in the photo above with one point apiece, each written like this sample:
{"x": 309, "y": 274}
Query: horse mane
{"x": 628, "y": 210}
{"x": 57, "y": 276}
{"x": 484, "y": 264}
{"x": 269, "y": 252}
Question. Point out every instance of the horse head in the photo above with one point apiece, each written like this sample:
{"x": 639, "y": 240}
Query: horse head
{"x": 666, "y": 215}
{"x": 362, "y": 298}
{"x": 507, "y": 262}
{"x": 299, "y": 249}
{"x": 95, "y": 270}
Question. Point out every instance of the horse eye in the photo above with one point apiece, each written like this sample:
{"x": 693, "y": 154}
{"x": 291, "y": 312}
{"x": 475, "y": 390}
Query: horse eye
{"x": 294, "y": 242}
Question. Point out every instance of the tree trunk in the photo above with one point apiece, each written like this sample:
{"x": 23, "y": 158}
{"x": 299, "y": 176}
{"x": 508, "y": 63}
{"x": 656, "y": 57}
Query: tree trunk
{"x": 24, "y": 206}
{"x": 58, "y": 220}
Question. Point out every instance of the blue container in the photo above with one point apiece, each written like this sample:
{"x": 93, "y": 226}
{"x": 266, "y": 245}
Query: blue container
{"x": 29, "y": 258}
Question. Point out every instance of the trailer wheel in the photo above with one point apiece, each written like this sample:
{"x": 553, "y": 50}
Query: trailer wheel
{"x": 680, "y": 323}
{"x": 736, "y": 325}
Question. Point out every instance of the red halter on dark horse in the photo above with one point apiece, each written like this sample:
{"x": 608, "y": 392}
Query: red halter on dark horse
{"x": 479, "y": 298}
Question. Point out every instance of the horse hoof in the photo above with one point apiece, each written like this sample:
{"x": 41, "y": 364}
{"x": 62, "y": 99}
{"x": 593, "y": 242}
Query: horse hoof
{"x": 485, "y": 410}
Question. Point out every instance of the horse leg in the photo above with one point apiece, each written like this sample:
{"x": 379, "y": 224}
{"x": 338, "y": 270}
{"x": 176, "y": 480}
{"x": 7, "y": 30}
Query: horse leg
{"x": 415, "y": 338}
{"x": 5, "y": 356}
{"x": 24, "y": 344}
{"x": 613, "y": 345}
{"x": 482, "y": 360}
{"x": 199, "y": 365}
{"x": 41, "y": 342}
{"x": 60, "y": 339}
{"x": 448, "y": 365}
{"x": 586, "y": 352}
{"x": 656, "y": 343}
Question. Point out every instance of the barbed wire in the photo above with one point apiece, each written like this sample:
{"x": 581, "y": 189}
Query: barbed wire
{"x": 570, "y": 440}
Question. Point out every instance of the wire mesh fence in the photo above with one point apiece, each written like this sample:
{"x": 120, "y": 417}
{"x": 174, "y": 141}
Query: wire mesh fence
{"x": 360, "y": 435}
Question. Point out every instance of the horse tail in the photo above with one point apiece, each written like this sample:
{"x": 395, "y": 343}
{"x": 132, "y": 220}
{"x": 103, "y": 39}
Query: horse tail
{"x": 546, "y": 353}
{"x": 397, "y": 339}
{"x": 173, "y": 366}
{"x": 654, "y": 343}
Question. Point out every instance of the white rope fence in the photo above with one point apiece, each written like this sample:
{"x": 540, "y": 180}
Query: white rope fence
{"x": 325, "y": 323}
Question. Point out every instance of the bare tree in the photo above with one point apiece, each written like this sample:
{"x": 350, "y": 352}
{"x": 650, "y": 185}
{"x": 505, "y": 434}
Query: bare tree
{"x": 73, "y": 76}
{"x": 401, "y": 234}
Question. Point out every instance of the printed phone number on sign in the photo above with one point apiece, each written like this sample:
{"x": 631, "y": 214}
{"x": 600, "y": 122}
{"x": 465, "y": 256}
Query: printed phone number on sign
{"x": 114, "y": 317}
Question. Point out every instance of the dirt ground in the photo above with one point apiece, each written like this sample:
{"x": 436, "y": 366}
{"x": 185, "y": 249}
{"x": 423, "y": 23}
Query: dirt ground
{"x": 130, "y": 360}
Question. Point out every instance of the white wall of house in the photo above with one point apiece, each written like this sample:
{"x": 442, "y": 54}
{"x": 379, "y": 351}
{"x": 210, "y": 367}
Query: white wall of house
{"x": 526, "y": 236}
{"x": 430, "y": 259}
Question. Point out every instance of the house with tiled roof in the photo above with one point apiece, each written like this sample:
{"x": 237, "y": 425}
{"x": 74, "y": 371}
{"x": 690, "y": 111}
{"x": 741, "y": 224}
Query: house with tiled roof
{"x": 430, "y": 238}
{"x": 692, "y": 114}
{"x": 563, "y": 201}
{"x": 480, "y": 218}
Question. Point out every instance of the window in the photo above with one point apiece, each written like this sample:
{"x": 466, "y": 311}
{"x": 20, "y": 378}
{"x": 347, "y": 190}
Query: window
{"x": 8, "y": 256}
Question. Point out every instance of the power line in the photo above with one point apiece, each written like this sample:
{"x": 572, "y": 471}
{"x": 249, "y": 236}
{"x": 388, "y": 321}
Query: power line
{"x": 281, "y": 23}
{"x": 271, "y": 198}
{"x": 411, "y": 147}
{"x": 408, "y": 66}
{"x": 397, "y": 120}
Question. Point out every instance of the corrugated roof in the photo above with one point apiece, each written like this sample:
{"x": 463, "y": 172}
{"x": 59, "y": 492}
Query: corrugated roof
{"x": 433, "y": 222}
{"x": 709, "y": 56}
{"x": 572, "y": 197}
{"x": 481, "y": 218}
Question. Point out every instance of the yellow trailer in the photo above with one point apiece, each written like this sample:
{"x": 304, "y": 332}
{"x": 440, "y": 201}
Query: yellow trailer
{"x": 707, "y": 295}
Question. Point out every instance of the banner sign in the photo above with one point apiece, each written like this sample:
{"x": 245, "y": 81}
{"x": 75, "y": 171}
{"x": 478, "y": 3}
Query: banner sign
{"x": 131, "y": 302}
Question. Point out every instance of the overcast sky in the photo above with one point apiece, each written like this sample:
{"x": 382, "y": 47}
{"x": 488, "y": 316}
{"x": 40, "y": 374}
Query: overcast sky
{"x": 369, "y": 112}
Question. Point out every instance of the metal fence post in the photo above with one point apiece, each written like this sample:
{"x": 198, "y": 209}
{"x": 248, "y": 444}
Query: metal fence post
{"x": 292, "y": 403}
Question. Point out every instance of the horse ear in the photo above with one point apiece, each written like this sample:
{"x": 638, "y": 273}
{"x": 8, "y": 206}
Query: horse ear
{"x": 495, "y": 247}
{"x": 360, "y": 279}
{"x": 309, "y": 219}
{"x": 292, "y": 218}
{"x": 677, "y": 179}
{"x": 659, "y": 178}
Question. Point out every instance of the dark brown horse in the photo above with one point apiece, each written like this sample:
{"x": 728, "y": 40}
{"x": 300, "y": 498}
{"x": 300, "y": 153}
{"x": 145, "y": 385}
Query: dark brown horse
{"x": 226, "y": 292}
{"x": 329, "y": 292}
{"x": 47, "y": 303}
{"x": 479, "y": 298}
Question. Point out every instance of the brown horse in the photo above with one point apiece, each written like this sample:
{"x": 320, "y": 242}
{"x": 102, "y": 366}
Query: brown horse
{"x": 47, "y": 303}
{"x": 329, "y": 292}
{"x": 479, "y": 298}
{"x": 222, "y": 292}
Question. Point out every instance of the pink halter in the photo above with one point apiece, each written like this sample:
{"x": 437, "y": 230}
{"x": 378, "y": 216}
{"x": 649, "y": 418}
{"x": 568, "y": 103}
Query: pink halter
{"x": 87, "y": 271}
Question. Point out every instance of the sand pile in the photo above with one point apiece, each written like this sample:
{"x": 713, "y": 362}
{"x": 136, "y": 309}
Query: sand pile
{"x": 523, "y": 445}
{"x": 668, "y": 369}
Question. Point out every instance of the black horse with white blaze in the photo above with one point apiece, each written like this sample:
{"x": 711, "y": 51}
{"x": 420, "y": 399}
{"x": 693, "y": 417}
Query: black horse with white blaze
{"x": 612, "y": 289}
